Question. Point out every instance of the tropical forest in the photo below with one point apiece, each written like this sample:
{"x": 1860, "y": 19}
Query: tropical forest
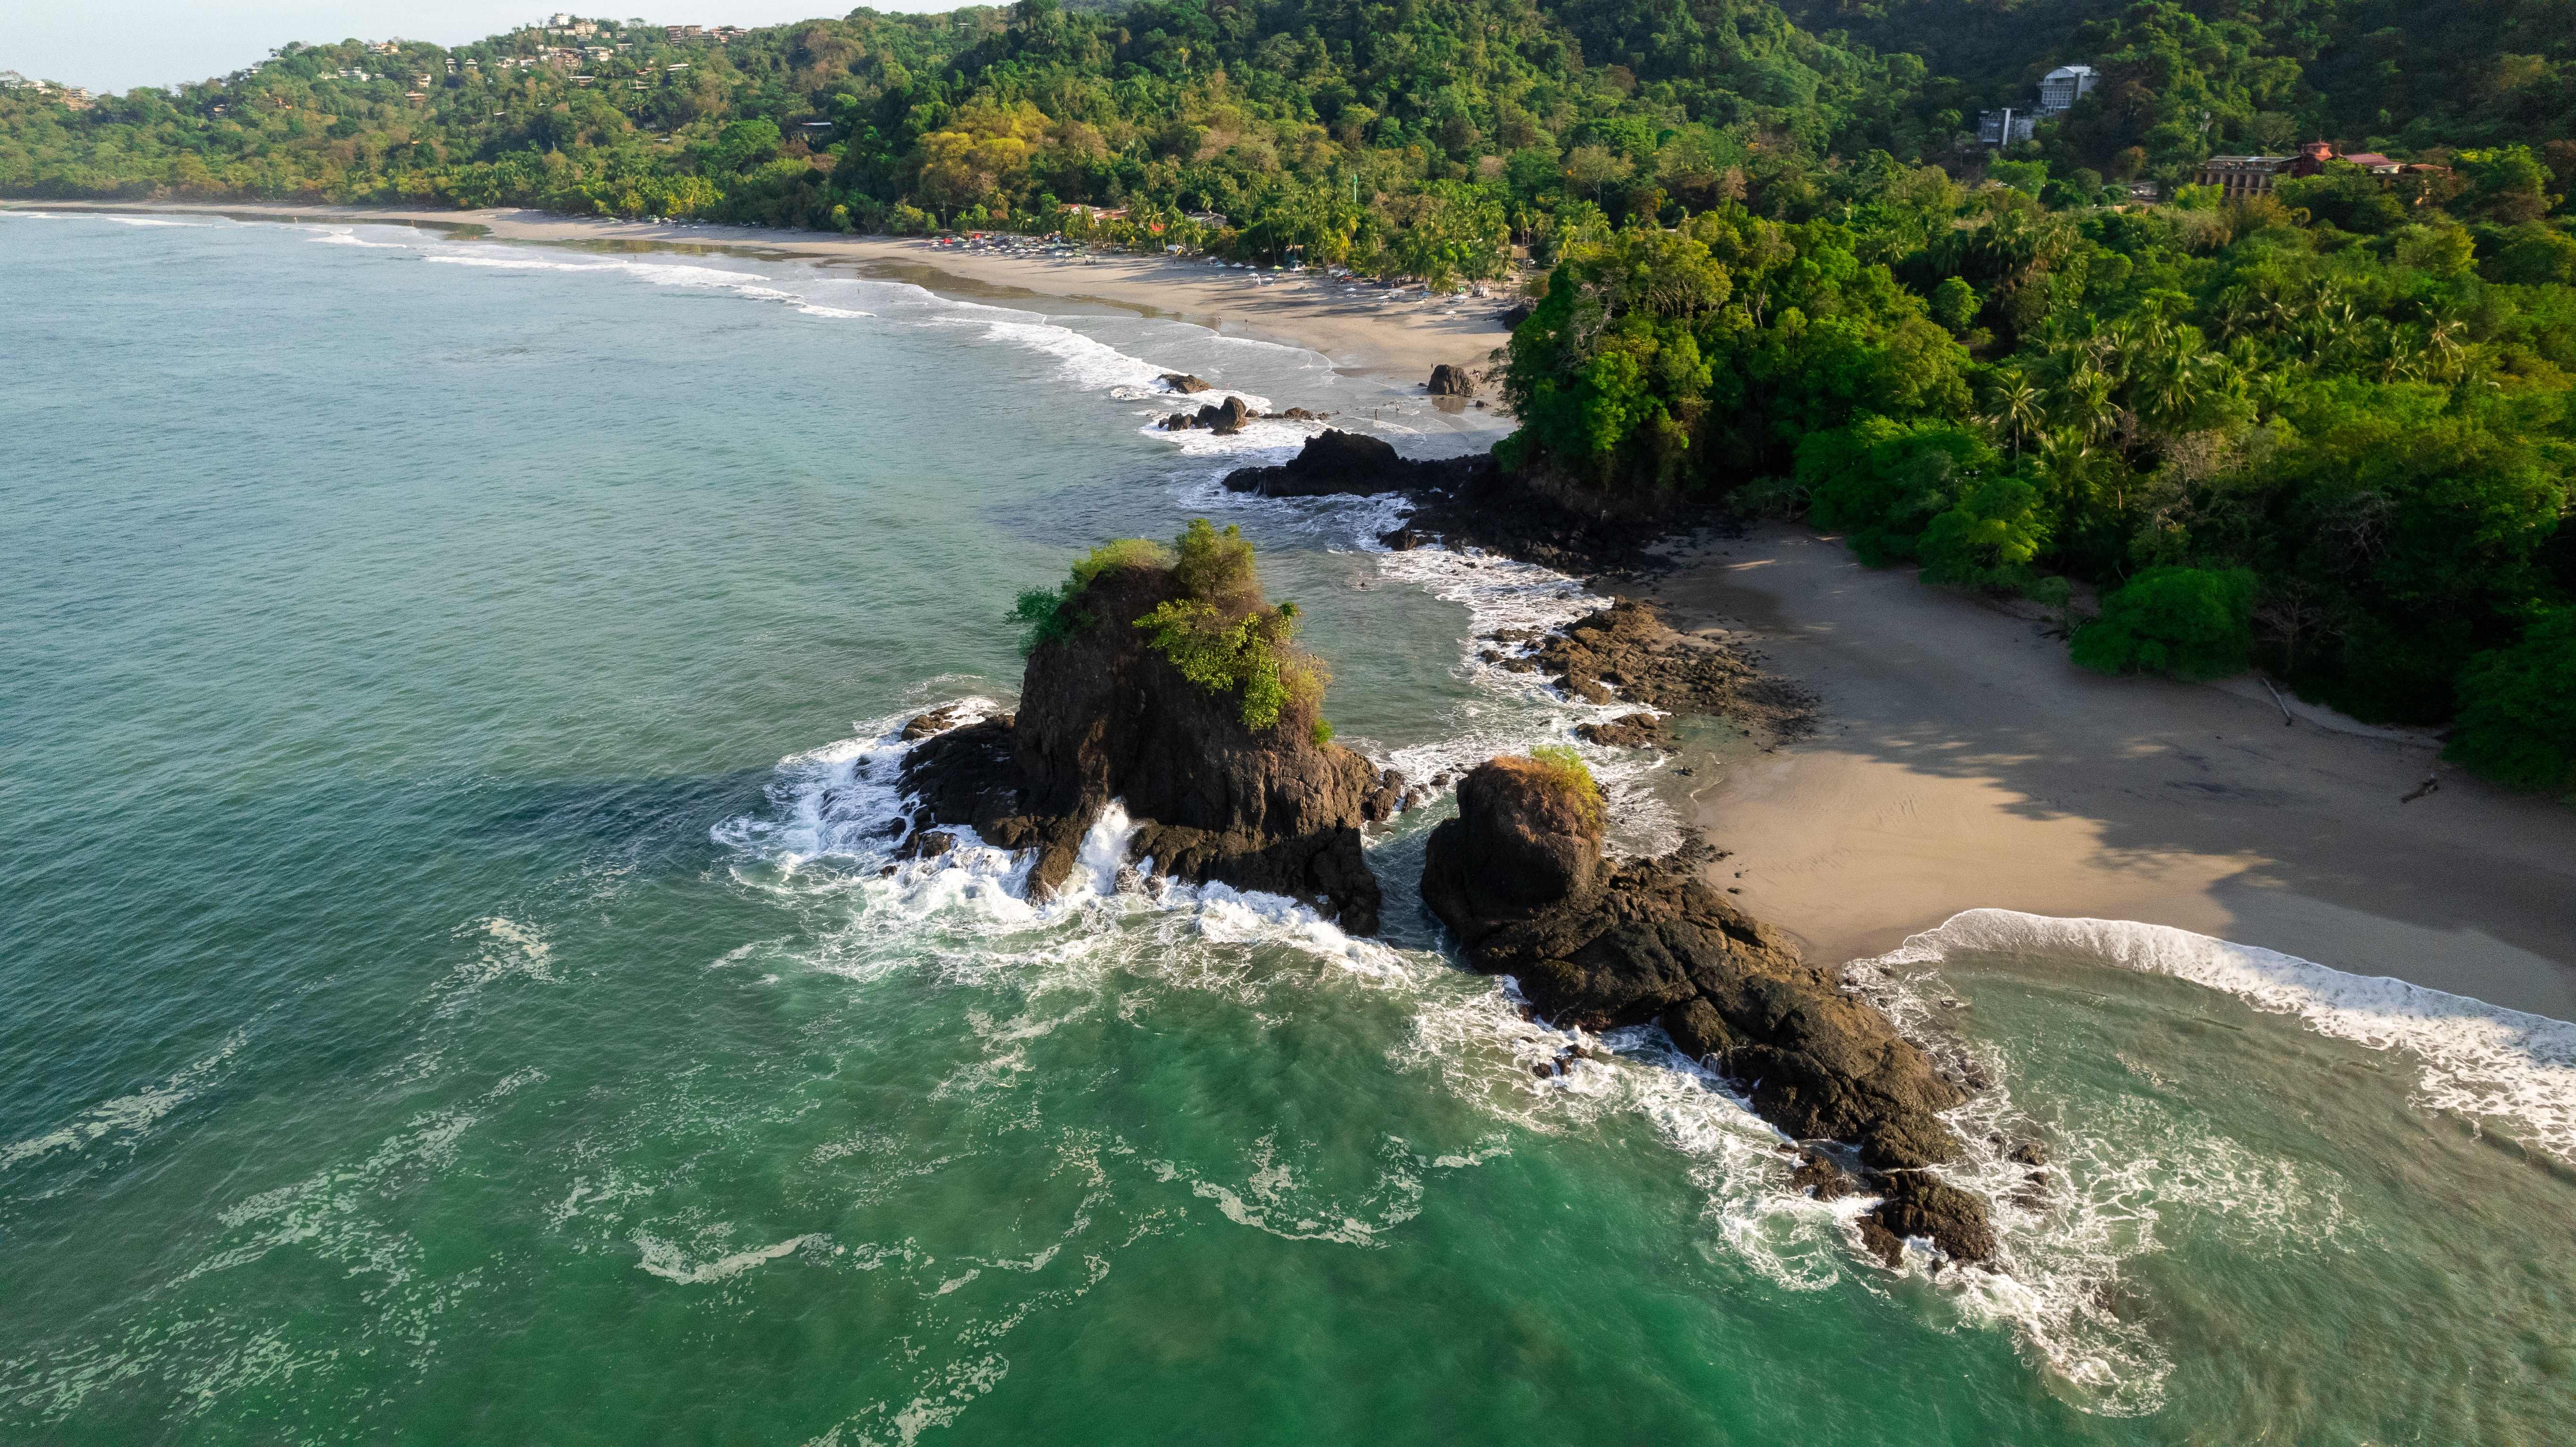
{"x": 1772, "y": 259}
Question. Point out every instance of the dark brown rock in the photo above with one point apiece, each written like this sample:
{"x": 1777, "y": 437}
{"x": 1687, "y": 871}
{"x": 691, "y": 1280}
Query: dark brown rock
{"x": 1224, "y": 419}
{"x": 938, "y": 721}
{"x": 1387, "y": 799}
{"x": 1628, "y": 648}
{"x": 1101, "y": 717}
{"x": 1449, "y": 381}
{"x": 1820, "y": 1176}
{"x": 1519, "y": 879}
{"x": 1183, "y": 382}
{"x": 1629, "y": 731}
{"x": 1338, "y": 462}
{"x": 1518, "y": 845}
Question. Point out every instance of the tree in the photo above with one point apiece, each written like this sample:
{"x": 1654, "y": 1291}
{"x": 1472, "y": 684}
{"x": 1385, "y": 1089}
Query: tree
{"x": 2517, "y": 722}
{"x": 2186, "y": 622}
{"x": 1988, "y": 538}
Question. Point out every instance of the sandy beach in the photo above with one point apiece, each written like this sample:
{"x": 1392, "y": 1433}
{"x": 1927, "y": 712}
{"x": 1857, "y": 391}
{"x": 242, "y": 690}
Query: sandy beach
{"x": 1963, "y": 762}
{"x": 1367, "y": 332}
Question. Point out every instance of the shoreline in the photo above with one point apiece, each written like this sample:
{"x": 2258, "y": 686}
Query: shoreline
{"x": 1963, "y": 761}
{"x": 1365, "y": 332}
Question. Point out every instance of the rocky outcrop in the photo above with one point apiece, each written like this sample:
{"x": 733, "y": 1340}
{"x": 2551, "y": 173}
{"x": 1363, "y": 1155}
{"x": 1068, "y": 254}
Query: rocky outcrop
{"x": 1628, "y": 731}
{"x": 1224, "y": 419}
{"x": 1520, "y": 879}
{"x": 1626, "y": 647}
{"x": 1227, "y": 419}
{"x": 1184, "y": 382}
{"x": 1540, "y": 518}
{"x": 1103, "y": 716}
{"x": 1449, "y": 381}
{"x": 1338, "y": 462}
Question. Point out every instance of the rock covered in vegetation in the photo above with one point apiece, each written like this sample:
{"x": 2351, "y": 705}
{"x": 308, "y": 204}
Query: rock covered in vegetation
{"x": 1520, "y": 879}
{"x": 1236, "y": 784}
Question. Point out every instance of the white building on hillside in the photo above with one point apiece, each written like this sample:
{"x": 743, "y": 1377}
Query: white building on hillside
{"x": 2061, "y": 88}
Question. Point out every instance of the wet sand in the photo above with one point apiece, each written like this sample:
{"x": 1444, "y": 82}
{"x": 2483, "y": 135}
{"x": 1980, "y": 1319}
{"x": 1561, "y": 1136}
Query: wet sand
{"x": 1964, "y": 762}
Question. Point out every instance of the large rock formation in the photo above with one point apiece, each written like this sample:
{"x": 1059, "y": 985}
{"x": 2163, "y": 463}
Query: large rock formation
{"x": 1449, "y": 381}
{"x": 1520, "y": 879}
{"x": 1105, "y": 716}
{"x": 1338, "y": 462}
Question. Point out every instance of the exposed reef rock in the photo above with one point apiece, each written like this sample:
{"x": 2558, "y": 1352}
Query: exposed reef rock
{"x": 1449, "y": 381}
{"x": 1627, "y": 646}
{"x": 1105, "y": 716}
{"x": 1539, "y": 517}
{"x": 1228, "y": 418}
{"x": 1184, "y": 382}
{"x": 1335, "y": 461}
{"x": 1628, "y": 731}
{"x": 1224, "y": 419}
{"x": 1520, "y": 879}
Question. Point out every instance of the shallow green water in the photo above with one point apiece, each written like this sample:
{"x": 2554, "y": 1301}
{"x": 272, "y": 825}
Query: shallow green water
{"x": 449, "y": 993}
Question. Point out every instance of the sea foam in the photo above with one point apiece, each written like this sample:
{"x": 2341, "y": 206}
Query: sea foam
{"x": 2504, "y": 1067}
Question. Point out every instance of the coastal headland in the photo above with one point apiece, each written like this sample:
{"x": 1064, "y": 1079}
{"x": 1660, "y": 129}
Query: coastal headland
{"x": 1960, "y": 759}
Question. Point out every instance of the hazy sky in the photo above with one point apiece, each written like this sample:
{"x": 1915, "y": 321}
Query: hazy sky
{"x": 116, "y": 45}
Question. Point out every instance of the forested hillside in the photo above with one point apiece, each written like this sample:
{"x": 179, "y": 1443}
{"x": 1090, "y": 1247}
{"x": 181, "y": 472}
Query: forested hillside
{"x": 2327, "y": 431}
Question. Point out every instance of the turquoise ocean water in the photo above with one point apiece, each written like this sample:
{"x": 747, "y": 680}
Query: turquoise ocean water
{"x": 447, "y": 991}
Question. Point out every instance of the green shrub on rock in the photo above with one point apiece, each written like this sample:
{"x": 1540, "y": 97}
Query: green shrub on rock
{"x": 2186, "y": 622}
{"x": 1047, "y": 616}
{"x": 1565, "y": 769}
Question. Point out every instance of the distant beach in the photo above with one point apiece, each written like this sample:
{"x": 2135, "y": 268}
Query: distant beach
{"x": 1365, "y": 330}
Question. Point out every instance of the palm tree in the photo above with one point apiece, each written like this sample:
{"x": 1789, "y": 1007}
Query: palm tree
{"x": 2085, "y": 402}
{"x": 2020, "y": 408}
{"x": 2063, "y": 454}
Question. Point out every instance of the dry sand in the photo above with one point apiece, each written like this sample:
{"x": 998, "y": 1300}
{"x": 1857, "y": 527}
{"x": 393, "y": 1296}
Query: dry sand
{"x": 1365, "y": 331}
{"x": 1965, "y": 762}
